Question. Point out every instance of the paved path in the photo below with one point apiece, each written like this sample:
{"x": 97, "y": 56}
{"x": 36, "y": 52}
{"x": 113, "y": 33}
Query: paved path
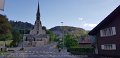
{"x": 46, "y": 51}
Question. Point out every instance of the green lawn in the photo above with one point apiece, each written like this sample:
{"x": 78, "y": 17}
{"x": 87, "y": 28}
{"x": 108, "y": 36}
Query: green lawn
{"x": 2, "y": 44}
{"x": 5, "y": 42}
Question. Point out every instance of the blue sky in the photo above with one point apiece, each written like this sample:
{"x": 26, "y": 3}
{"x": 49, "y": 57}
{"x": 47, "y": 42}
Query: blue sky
{"x": 78, "y": 13}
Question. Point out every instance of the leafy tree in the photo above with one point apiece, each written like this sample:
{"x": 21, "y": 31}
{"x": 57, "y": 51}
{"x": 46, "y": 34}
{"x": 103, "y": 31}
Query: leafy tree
{"x": 24, "y": 31}
{"x": 53, "y": 37}
{"x": 5, "y": 29}
{"x": 16, "y": 37}
{"x": 60, "y": 44}
{"x": 70, "y": 42}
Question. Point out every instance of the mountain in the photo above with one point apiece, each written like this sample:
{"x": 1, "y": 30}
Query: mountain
{"x": 75, "y": 31}
{"x": 58, "y": 30}
{"x": 23, "y": 27}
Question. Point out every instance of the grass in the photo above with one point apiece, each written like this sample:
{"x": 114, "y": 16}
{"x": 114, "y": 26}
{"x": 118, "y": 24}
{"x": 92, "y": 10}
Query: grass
{"x": 2, "y": 44}
{"x": 5, "y": 42}
{"x": 2, "y": 53}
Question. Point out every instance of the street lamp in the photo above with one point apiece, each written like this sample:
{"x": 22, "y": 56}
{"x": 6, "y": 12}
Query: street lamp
{"x": 62, "y": 34}
{"x": 23, "y": 37}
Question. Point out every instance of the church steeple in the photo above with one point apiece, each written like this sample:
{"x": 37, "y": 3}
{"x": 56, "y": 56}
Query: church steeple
{"x": 38, "y": 16}
{"x": 38, "y": 11}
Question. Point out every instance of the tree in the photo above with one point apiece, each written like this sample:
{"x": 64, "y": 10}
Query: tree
{"x": 53, "y": 37}
{"x": 16, "y": 37}
{"x": 70, "y": 42}
{"x": 5, "y": 29}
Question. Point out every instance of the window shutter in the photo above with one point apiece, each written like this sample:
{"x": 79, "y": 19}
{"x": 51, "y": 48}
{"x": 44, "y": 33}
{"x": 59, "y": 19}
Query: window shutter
{"x": 113, "y": 46}
{"x": 102, "y": 46}
{"x": 101, "y": 33}
{"x": 114, "y": 30}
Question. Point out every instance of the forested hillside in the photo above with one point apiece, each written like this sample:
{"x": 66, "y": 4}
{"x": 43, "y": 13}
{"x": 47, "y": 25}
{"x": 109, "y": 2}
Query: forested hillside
{"x": 64, "y": 30}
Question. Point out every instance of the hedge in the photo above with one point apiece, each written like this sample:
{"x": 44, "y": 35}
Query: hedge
{"x": 79, "y": 51}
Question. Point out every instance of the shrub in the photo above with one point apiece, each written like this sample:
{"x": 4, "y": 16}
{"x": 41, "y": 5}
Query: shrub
{"x": 79, "y": 51}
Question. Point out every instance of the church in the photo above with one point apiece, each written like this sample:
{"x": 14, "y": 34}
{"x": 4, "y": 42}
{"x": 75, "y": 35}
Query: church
{"x": 37, "y": 35}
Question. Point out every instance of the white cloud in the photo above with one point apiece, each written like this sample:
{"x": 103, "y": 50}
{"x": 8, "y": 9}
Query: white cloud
{"x": 89, "y": 25}
{"x": 80, "y": 19}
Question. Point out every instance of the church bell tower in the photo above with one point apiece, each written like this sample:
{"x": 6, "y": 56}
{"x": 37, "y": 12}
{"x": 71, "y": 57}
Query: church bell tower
{"x": 37, "y": 26}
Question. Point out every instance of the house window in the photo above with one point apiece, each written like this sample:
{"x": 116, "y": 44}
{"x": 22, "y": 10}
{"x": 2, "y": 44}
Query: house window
{"x": 108, "y": 32}
{"x": 108, "y": 47}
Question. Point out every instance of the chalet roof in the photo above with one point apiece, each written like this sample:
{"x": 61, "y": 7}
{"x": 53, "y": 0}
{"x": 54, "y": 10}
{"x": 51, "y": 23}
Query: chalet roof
{"x": 85, "y": 40}
{"x": 106, "y": 21}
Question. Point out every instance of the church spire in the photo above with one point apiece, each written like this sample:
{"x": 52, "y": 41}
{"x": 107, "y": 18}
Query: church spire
{"x": 38, "y": 15}
{"x": 38, "y": 11}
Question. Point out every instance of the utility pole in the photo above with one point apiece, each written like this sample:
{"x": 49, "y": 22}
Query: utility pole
{"x": 62, "y": 34}
{"x": 23, "y": 36}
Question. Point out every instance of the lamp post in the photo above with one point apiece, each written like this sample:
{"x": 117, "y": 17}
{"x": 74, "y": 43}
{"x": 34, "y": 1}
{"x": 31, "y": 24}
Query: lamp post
{"x": 23, "y": 36}
{"x": 62, "y": 34}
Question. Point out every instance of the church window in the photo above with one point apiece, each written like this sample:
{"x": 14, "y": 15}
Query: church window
{"x": 33, "y": 38}
{"x": 37, "y": 32}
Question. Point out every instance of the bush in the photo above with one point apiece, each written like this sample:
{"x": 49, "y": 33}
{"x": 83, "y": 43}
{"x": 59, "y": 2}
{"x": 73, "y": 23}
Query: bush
{"x": 70, "y": 42}
{"x": 79, "y": 51}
